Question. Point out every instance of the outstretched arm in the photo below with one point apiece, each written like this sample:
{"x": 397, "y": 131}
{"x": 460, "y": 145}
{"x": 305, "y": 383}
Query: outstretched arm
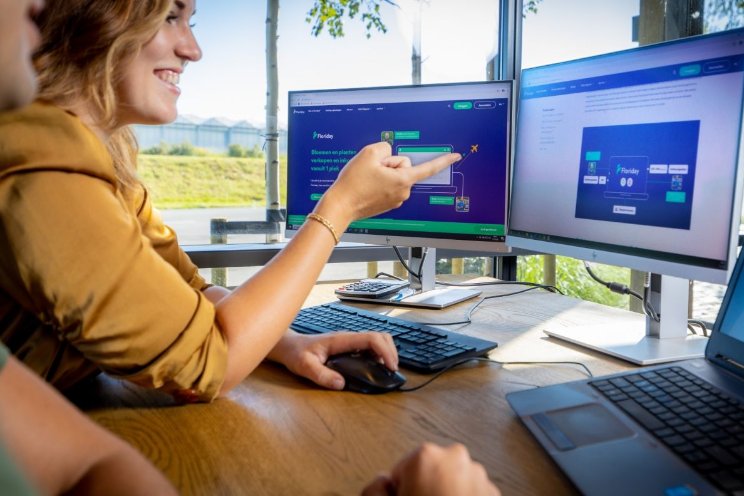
{"x": 255, "y": 316}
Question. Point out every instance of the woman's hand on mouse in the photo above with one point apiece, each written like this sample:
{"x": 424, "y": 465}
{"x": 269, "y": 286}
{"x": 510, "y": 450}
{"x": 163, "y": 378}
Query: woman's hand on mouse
{"x": 375, "y": 181}
{"x": 306, "y": 355}
{"x": 434, "y": 471}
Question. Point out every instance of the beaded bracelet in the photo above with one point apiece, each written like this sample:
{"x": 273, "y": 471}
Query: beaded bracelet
{"x": 326, "y": 223}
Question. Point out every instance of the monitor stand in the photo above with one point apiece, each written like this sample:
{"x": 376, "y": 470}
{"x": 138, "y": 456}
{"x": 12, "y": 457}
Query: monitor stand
{"x": 423, "y": 293}
{"x": 659, "y": 342}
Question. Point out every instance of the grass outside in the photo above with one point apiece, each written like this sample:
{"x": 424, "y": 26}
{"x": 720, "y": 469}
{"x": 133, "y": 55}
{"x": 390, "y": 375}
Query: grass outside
{"x": 209, "y": 181}
{"x": 573, "y": 279}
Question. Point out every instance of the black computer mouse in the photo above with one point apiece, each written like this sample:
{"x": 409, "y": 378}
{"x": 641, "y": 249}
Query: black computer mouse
{"x": 364, "y": 374}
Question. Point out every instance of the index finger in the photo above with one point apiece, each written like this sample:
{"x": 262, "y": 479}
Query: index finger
{"x": 426, "y": 169}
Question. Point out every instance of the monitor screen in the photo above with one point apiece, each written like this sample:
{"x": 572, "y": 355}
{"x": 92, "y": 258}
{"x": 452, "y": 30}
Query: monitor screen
{"x": 632, "y": 158}
{"x": 464, "y": 206}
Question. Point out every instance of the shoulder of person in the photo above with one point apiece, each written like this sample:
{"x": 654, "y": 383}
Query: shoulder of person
{"x": 44, "y": 137}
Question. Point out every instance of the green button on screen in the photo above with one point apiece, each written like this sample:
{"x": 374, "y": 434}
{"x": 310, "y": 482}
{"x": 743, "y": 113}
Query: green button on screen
{"x": 689, "y": 70}
{"x": 404, "y": 135}
{"x": 441, "y": 200}
{"x": 675, "y": 196}
{"x": 462, "y": 105}
{"x": 316, "y": 196}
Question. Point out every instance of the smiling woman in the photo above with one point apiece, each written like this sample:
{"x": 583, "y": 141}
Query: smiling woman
{"x": 93, "y": 278}
{"x": 85, "y": 82}
{"x": 149, "y": 87}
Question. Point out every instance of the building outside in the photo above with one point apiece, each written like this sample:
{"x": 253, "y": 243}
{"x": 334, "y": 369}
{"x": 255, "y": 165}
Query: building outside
{"x": 215, "y": 134}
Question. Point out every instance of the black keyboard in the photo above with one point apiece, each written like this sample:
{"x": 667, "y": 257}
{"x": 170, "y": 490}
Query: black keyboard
{"x": 420, "y": 347}
{"x": 696, "y": 420}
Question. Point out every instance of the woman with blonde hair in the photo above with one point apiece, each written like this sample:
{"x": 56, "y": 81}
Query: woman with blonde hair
{"x": 48, "y": 446}
{"x": 90, "y": 277}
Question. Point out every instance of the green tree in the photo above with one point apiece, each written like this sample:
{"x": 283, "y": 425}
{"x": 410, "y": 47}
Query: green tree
{"x": 159, "y": 149}
{"x": 724, "y": 14}
{"x": 530, "y": 7}
{"x": 185, "y": 149}
{"x": 330, "y": 14}
{"x": 237, "y": 151}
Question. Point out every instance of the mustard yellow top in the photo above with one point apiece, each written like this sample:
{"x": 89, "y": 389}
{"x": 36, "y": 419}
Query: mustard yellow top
{"x": 91, "y": 280}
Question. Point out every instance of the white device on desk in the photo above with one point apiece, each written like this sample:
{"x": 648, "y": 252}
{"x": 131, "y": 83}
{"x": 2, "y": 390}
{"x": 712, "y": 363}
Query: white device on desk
{"x": 633, "y": 159}
{"x": 463, "y": 207}
{"x": 408, "y": 297}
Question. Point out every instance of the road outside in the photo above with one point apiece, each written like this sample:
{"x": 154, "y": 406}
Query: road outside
{"x": 192, "y": 226}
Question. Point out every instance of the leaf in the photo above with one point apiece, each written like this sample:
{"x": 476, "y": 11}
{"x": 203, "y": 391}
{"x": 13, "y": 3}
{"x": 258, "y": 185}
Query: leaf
{"x": 331, "y": 14}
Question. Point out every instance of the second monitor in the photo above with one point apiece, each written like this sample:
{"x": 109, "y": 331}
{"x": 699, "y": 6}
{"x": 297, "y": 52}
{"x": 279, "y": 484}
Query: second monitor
{"x": 633, "y": 158}
{"x": 463, "y": 207}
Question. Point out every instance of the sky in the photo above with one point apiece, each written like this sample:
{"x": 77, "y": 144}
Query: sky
{"x": 457, "y": 39}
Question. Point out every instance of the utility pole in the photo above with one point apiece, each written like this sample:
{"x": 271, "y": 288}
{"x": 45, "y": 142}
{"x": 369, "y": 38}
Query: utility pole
{"x": 273, "y": 207}
{"x": 416, "y": 44}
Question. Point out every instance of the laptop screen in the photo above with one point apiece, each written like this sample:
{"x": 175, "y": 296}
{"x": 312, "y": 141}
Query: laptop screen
{"x": 726, "y": 345}
{"x": 732, "y": 318}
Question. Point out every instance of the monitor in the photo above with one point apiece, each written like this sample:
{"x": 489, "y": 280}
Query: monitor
{"x": 463, "y": 207}
{"x": 633, "y": 159}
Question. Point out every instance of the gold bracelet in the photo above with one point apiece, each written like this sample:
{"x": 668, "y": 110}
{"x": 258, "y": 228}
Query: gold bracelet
{"x": 324, "y": 221}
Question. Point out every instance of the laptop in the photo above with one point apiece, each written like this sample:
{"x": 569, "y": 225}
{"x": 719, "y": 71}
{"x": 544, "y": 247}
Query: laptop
{"x": 673, "y": 430}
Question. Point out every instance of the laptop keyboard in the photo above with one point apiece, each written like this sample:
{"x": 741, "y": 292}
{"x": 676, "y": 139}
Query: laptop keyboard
{"x": 698, "y": 421}
{"x": 420, "y": 347}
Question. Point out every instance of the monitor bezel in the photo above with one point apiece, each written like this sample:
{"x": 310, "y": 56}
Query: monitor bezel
{"x": 659, "y": 262}
{"x": 445, "y": 241}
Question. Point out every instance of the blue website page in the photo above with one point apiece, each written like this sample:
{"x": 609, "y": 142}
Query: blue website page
{"x": 465, "y": 201}
{"x": 633, "y": 152}
{"x": 638, "y": 173}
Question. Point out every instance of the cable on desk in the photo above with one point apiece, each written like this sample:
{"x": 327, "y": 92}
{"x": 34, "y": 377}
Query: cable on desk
{"x": 582, "y": 365}
{"x": 648, "y": 309}
{"x": 691, "y": 323}
{"x": 623, "y": 289}
{"x": 497, "y": 362}
{"x": 472, "y": 309}
{"x": 552, "y": 289}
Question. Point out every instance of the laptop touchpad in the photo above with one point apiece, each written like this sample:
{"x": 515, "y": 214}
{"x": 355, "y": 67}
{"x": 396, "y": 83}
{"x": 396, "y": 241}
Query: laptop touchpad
{"x": 581, "y": 425}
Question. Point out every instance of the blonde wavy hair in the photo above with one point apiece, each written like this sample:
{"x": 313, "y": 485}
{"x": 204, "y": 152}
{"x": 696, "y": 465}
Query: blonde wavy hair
{"x": 86, "y": 45}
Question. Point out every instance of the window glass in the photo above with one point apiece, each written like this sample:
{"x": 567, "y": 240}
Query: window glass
{"x": 209, "y": 164}
{"x": 719, "y": 15}
{"x": 570, "y": 29}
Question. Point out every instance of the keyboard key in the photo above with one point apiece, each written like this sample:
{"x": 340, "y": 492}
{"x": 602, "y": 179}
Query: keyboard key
{"x": 641, "y": 415}
{"x": 727, "y": 481}
{"x": 691, "y": 416}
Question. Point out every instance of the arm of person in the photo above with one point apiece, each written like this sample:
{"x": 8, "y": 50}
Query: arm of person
{"x": 434, "y": 471}
{"x": 255, "y": 316}
{"x": 306, "y": 355}
{"x": 60, "y": 450}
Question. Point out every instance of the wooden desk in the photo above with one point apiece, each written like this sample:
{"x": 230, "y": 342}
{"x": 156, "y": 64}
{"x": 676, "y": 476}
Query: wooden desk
{"x": 278, "y": 434}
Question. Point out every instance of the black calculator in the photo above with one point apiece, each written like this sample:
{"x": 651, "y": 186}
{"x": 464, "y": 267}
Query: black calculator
{"x": 371, "y": 288}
